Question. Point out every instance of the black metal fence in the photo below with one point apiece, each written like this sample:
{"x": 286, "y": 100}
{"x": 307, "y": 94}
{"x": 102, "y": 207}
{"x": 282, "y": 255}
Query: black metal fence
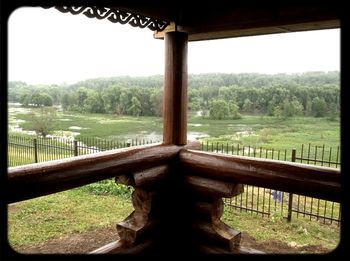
{"x": 266, "y": 202}
{"x": 25, "y": 150}
{"x": 258, "y": 200}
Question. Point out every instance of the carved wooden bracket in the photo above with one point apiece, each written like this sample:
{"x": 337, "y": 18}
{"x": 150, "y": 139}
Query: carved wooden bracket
{"x": 138, "y": 230}
{"x": 213, "y": 235}
{"x": 171, "y": 202}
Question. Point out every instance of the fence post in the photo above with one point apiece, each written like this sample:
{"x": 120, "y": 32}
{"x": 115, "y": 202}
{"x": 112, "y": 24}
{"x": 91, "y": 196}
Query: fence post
{"x": 35, "y": 151}
{"x": 290, "y": 201}
{"x": 75, "y": 147}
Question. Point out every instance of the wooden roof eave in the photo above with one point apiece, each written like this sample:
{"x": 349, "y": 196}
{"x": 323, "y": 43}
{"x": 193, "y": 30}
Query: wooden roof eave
{"x": 197, "y": 34}
{"x": 249, "y": 22}
{"x": 216, "y": 21}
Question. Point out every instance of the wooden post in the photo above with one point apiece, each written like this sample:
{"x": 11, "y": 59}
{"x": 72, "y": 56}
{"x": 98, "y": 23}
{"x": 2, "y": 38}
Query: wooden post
{"x": 175, "y": 89}
{"x": 290, "y": 201}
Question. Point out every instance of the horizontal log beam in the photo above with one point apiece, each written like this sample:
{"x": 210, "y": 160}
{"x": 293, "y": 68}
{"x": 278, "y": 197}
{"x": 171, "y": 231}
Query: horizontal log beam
{"x": 112, "y": 247}
{"x": 313, "y": 181}
{"x": 34, "y": 180}
{"x": 208, "y": 249}
{"x": 214, "y": 188}
{"x": 151, "y": 176}
{"x": 122, "y": 247}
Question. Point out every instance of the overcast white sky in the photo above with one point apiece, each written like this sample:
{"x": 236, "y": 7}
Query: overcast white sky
{"x": 50, "y": 47}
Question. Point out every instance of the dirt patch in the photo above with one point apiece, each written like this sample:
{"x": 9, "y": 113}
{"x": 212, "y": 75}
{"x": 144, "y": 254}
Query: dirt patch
{"x": 91, "y": 240}
{"x": 279, "y": 247}
{"x": 74, "y": 244}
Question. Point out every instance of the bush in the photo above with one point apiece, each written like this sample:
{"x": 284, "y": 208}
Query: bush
{"x": 108, "y": 187}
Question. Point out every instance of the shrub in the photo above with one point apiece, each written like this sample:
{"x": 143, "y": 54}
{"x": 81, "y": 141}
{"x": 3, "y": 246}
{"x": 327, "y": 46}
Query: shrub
{"x": 108, "y": 187}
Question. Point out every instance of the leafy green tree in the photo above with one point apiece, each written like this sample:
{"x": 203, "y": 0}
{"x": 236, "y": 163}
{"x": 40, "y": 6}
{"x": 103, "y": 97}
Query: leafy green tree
{"x": 156, "y": 101}
{"x": 43, "y": 121}
{"x": 227, "y": 94}
{"x": 250, "y": 91}
{"x": 110, "y": 96}
{"x": 271, "y": 108}
{"x": 319, "y": 107}
{"x": 234, "y": 111}
{"x": 135, "y": 108}
{"x": 208, "y": 94}
{"x": 287, "y": 109}
{"x": 39, "y": 99}
{"x": 308, "y": 107}
{"x": 93, "y": 103}
{"x": 248, "y": 106}
{"x": 68, "y": 101}
{"x": 332, "y": 112}
{"x": 194, "y": 105}
{"x": 24, "y": 99}
{"x": 124, "y": 101}
{"x": 219, "y": 109}
{"x": 278, "y": 112}
{"x": 297, "y": 106}
{"x": 82, "y": 95}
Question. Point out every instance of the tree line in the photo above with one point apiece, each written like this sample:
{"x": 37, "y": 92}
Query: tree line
{"x": 217, "y": 96}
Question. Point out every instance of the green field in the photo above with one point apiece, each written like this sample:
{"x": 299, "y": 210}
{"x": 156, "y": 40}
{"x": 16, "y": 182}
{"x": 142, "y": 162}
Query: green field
{"x": 270, "y": 131}
{"x": 251, "y": 130}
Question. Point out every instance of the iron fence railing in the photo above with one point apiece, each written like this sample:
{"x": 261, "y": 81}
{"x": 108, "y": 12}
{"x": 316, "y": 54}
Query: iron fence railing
{"x": 266, "y": 201}
{"x": 263, "y": 201}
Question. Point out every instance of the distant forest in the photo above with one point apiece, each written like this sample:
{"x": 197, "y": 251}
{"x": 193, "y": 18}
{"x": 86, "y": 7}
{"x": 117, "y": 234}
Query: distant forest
{"x": 216, "y": 95}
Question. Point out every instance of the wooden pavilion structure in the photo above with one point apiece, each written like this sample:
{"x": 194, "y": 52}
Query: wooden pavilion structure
{"x": 178, "y": 188}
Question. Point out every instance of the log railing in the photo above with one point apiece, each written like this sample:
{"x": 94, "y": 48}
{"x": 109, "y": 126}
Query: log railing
{"x": 314, "y": 181}
{"x": 29, "y": 181}
{"x": 178, "y": 192}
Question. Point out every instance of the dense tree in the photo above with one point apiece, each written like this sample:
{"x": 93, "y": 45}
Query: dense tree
{"x": 156, "y": 100}
{"x": 93, "y": 103}
{"x": 233, "y": 111}
{"x": 67, "y": 101}
{"x": 44, "y": 120}
{"x": 39, "y": 99}
{"x": 24, "y": 99}
{"x": 218, "y": 109}
{"x": 82, "y": 95}
{"x": 248, "y": 106}
{"x": 319, "y": 107}
{"x": 312, "y": 94}
{"x": 308, "y": 107}
{"x": 135, "y": 108}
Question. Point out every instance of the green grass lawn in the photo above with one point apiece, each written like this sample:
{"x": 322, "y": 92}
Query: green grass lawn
{"x": 38, "y": 220}
{"x": 300, "y": 231}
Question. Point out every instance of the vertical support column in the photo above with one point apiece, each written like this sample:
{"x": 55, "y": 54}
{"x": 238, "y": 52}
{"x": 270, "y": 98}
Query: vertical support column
{"x": 175, "y": 89}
